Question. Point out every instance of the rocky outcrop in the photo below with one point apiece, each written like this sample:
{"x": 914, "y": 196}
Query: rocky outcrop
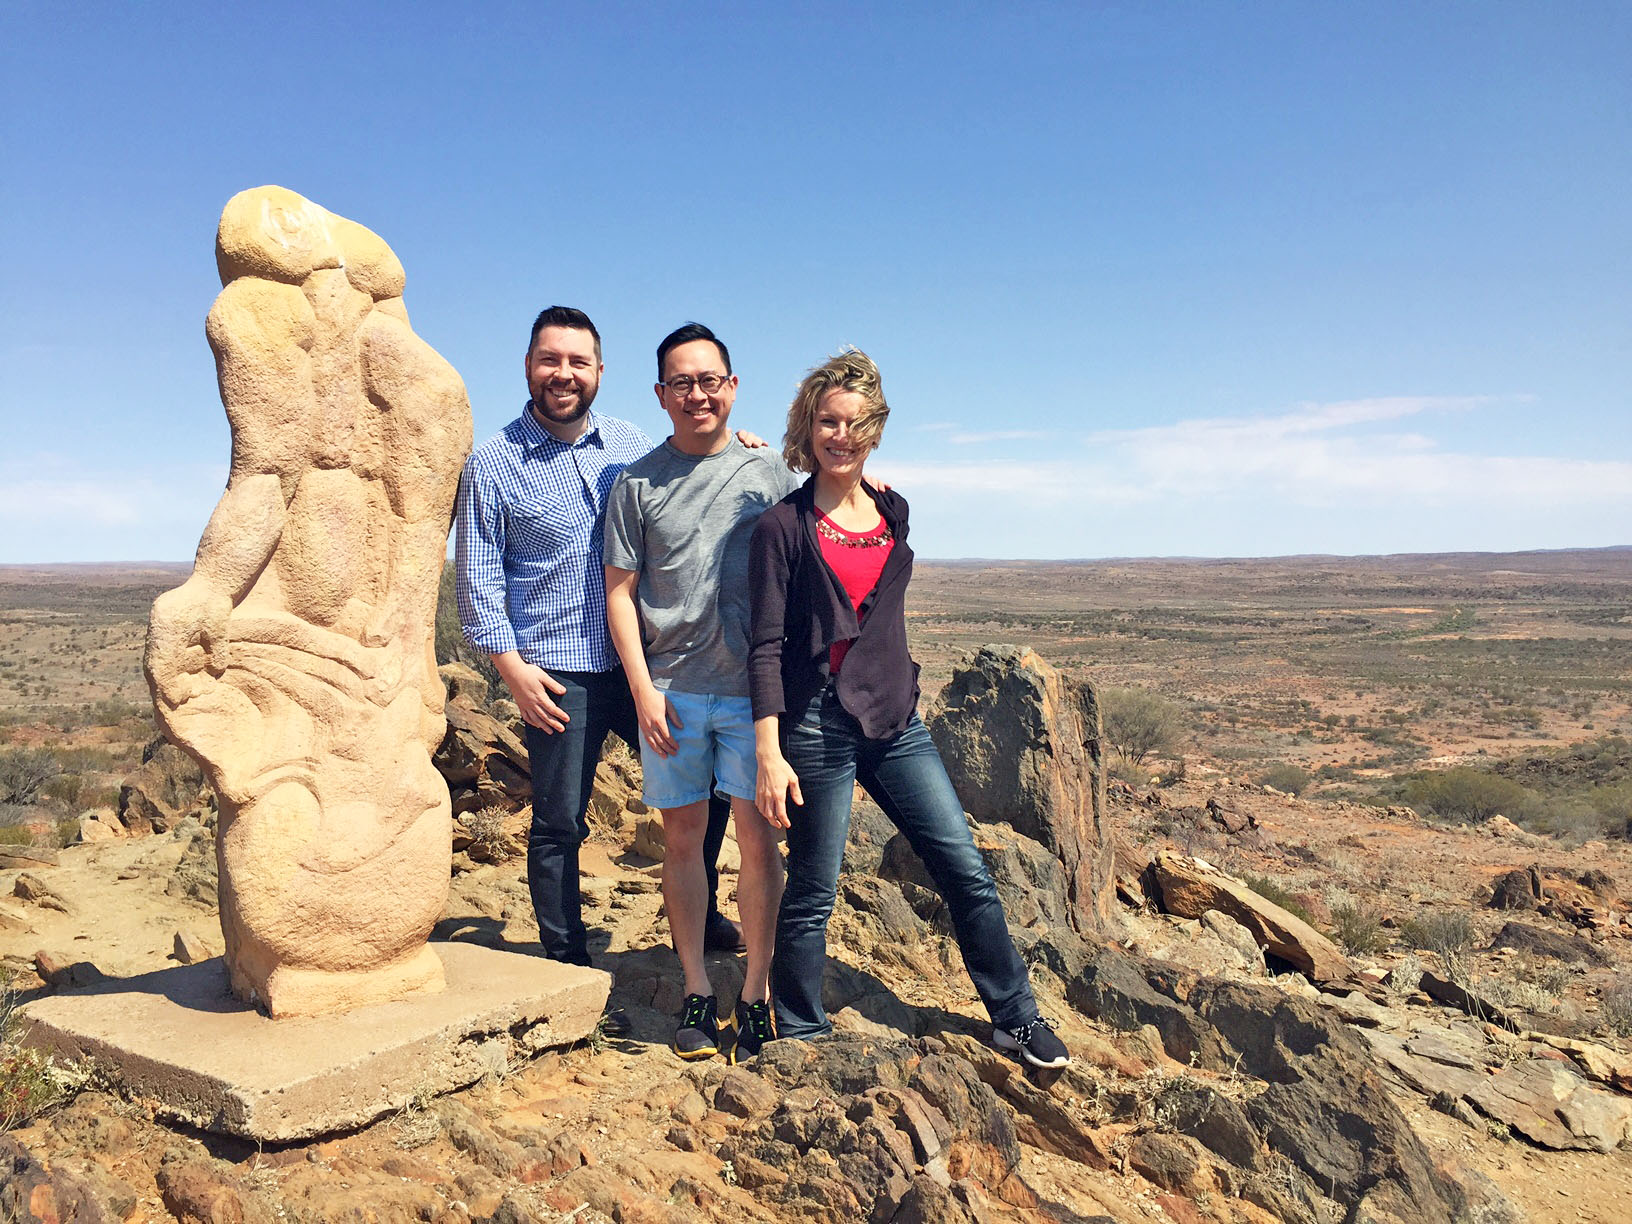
{"x": 1022, "y": 745}
{"x": 853, "y": 1129}
{"x": 1190, "y": 888}
{"x": 164, "y": 790}
{"x": 296, "y": 663}
{"x": 483, "y": 760}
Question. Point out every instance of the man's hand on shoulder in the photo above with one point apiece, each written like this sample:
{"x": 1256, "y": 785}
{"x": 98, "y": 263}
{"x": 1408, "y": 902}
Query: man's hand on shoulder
{"x": 534, "y": 691}
{"x": 751, "y": 440}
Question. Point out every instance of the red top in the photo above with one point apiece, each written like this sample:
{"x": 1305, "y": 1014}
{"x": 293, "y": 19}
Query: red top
{"x": 857, "y": 557}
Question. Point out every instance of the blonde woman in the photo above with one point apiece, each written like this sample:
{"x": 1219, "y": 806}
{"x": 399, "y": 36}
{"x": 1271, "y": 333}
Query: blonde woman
{"x": 835, "y": 697}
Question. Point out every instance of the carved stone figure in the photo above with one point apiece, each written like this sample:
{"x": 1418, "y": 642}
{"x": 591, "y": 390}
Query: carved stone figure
{"x": 297, "y": 664}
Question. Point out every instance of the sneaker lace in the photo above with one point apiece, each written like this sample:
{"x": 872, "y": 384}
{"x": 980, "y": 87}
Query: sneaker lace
{"x": 758, "y": 1016}
{"x": 696, "y": 1011}
{"x": 1023, "y": 1033}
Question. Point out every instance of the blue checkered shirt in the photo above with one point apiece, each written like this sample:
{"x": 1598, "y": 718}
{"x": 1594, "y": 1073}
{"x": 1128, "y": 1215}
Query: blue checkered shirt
{"x": 527, "y": 542}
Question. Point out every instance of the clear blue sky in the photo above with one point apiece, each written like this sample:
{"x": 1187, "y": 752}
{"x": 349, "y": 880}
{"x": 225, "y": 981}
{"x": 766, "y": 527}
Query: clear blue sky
{"x": 1211, "y": 279}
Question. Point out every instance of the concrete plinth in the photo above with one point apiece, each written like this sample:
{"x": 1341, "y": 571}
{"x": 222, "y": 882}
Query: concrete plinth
{"x": 179, "y": 1040}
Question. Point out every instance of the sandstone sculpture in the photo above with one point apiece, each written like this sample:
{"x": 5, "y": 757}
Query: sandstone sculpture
{"x": 296, "y": 664}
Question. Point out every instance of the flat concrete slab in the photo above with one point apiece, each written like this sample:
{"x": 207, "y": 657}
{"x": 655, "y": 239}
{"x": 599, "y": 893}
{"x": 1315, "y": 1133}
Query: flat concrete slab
{"x": 179, "y": 1040}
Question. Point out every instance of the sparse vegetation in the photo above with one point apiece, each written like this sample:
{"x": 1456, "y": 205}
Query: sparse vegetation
{"x": 1468, "y": 796}
{"x": 1286, "y": 778}
{"x": 23, "y": 772}
{"x": 1615, "y": 1007}
{"x": 30, "y": 1082}
{"x": 1273, "y": 890}
{"x": 1358, "y": 927}
{"x": 1139, "y": 723}
{"x": 1448, "y": 934}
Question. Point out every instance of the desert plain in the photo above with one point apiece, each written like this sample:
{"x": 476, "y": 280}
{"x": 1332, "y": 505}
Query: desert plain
{"x": 1380, "y": 746}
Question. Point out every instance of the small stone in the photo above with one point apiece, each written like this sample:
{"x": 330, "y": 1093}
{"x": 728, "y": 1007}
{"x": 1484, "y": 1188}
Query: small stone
{"x": 190, "y": 949}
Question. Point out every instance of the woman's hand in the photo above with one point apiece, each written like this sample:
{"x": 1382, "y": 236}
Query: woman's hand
{"x": 654, "y": 713}
{"x": 777, "y": 783}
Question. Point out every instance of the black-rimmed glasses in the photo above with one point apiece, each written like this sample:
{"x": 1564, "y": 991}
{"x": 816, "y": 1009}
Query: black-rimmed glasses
{"x": 681, "y": 384}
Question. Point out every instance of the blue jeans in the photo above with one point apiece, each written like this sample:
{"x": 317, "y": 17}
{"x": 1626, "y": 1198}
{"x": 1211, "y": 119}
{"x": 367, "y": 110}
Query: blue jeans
{"x": 905, "y": 777}
{"x": 563, "y": 768}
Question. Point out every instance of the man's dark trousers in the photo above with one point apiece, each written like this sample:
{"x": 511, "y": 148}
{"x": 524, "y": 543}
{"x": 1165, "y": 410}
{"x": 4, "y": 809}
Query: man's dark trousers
{"x": 563, "y": 767}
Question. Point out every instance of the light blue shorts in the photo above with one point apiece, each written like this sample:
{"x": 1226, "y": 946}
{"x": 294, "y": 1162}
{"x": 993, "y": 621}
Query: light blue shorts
{"x": 716, "y": 747}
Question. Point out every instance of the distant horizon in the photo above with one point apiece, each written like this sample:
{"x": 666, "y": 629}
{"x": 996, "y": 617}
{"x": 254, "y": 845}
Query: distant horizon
{"x": 151, "y": 563}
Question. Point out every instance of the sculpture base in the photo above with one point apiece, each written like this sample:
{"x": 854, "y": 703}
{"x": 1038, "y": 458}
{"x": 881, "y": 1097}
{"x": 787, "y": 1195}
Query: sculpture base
{"x": 290, "y": 990}
{"x": 179, "y": 1041}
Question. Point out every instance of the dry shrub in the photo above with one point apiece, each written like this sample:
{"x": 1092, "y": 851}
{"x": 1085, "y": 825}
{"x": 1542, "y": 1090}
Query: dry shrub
{"x": 1358, "y": 927}
{"x": 489, "y": 841}
{"x": 30, "y": 1082}
{"x": 1446, "y": 933}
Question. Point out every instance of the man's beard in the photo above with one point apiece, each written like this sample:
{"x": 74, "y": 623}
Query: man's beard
{"x": 544, "y": 408}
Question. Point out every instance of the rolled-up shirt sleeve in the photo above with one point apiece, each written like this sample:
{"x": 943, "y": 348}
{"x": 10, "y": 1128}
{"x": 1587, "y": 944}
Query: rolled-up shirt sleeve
{"x": 478, "y": 558}
{"x": 768, "y": 613}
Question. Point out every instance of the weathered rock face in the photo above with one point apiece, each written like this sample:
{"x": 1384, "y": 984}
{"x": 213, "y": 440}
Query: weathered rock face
{"x": 167, "y": 787}
{"x": 1022, "y": 745}
{"x": 1191, "y": 888}
{"x": 296, "y": 664}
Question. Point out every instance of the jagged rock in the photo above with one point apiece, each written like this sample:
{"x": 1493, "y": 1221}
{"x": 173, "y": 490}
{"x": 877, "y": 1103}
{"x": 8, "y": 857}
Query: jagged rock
{"x": 1600, "y": 884}
{"x": 650, "y": 841}
{"x": 59, "y": 971}
{"x": 295, "y": 663}
{"x": 1117, "y": 991}
{"x": 480, "y": 751}
{"x": 870, "y": 832}
{"x": 1190, "y": 887}
{"x": 1517, "y": 890}
{"x": 194, "y": 876}
{"x": 464, "y": 684}
{"x": 189, "y": 949}
{"x": 1172, "y": 1162}
{"x": 1022, "y": 746}
{"x": 167, "y": 787}
{"x": 32, "y": 1193}
{"x": 203, "y": 1191}
{"x": 861, "y": 1122}
{"x": 1030, "y": 879}
{"x": 1229, "y": 815}
{"x": 29, "y": 887}
{"x": 94, "y": 828}
{"x": 1595, "y": 1061}
{"x": 1550, "y": 1104}
{"x": 1325, "y": 1107}
{"x": 744, "y": 1094}
{"x": 1537, "y": 942}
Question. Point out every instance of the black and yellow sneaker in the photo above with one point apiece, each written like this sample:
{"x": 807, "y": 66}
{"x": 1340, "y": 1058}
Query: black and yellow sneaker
{"x": 699, "y": 1033}
{"x": 752, "y": 1027}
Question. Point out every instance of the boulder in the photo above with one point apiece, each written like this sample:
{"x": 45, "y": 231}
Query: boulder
{"x": 1326, "y": 1108}
{"x": 1190, "y": 887}
{"x": 34, "y": 1192}
{"x": 1522, "y": 937}
{"x": 1550, "y": 1104}
{"x": 1517, "y": 890}
{"x": 1118, "y": 991}
{"x": 1023, "y": 745}
{"x": 167, "y": 787}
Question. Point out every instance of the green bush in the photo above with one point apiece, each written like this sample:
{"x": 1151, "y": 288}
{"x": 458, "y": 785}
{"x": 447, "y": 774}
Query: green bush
{"x": 1271, "y": 889}
{"x": 1359, "y": 928}
{"x": 1469, "y": 795}
{"x": 1139, "y": 723}
{"x": 1285, "y": 777}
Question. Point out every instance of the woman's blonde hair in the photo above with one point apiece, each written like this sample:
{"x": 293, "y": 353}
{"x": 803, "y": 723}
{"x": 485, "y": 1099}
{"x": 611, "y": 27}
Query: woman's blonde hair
{"x": 850, "y": 370}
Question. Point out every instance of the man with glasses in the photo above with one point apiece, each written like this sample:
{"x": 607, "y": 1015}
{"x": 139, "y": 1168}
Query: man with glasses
{"x": 678, "y": 524}
{"x": 532, "y": 501}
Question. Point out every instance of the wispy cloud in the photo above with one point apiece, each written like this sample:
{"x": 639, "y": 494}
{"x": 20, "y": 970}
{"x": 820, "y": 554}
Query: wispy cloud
{"x": 52, "y": 509}
{"x": 1234, "y": 475}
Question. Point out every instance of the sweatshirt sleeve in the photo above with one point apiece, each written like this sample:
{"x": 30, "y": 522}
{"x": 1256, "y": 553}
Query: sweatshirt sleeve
{"x": 768, "y": 569}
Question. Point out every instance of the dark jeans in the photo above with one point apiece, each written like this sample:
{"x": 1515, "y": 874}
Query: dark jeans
{"x": 906, "y": 779}
{"x": 563, "y": 767}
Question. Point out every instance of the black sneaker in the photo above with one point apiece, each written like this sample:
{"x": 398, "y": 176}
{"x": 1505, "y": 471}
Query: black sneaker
{"x": 1035, "y": 1042}
{"x": 753, "y": 1027}
{"x": 699, "y": 1033}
